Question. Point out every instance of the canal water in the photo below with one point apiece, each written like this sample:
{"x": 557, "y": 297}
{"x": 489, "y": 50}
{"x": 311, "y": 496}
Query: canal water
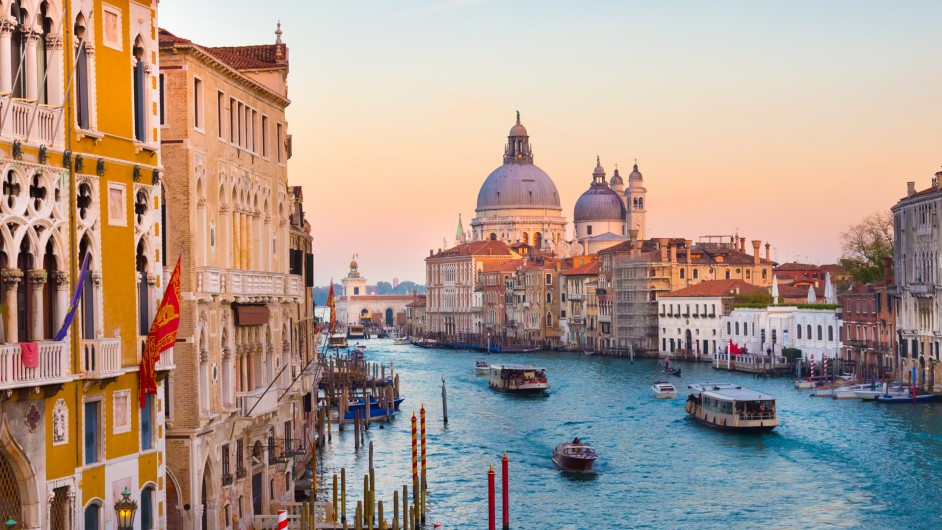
{"x": 845, "y": 464}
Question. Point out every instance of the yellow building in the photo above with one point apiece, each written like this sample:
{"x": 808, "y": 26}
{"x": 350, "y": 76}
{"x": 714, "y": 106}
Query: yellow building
{"x": 80, "y": 175}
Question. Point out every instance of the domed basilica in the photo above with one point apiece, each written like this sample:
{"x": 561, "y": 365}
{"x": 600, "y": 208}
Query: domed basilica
{"x": 519, "y": 203}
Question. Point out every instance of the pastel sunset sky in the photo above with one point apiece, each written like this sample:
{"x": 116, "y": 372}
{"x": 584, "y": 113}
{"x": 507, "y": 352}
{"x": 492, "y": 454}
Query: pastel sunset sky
{"x": 786, "y": 121}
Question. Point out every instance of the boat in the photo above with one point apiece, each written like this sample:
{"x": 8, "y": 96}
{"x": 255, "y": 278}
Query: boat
{"x": 870, "y": 393}
{"x": 377, "y": 412}
{"x": 481, "y": 368}
{"x": 575, "y": 456}
{"x": 810, "y": 382}
{"x": 906, "y": 395}
{"x": 518, "y": 378}
{"x": 401, "y": 341}
{"x": 850, "y": 392}
{"x": 337, "y": 340}
{"x": 664, "y": 390}
{"x": 732, "y": 407}
{"x": 665, "y": 368}
{"x": 356, "y": 332}
{"x": 823, "y": 392}
{"x": 361, "y": 347}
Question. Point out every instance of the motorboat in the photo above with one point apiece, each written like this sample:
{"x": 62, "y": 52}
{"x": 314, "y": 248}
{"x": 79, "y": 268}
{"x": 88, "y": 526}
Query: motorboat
{"x": 823, "y": 392}
{"x": 355, "y": 331}
{"x": 732, "y": 407}
{"x": 337, "y": 340}
{"x": 850, "y": 392}
{"x": 810, "y": 382}
{"x": 481, "y": 368}
{"x": 401, "y": 341}
{"x": 361, "y": 347}
{"x": 575, "y": 456}
{"x": 870, "y": 393}
{"x": 904, "y": 396}
{"x": 518, "y": 378}
{"x": 664, "y": 390}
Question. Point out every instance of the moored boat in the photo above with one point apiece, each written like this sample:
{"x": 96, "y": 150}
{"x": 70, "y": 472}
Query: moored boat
{"x": 575, "y": 456}
{"x": 664, "y": 390}
{"x": 518, "y": 378}
{"x": 401, "y": 341}
{"x": 850, "y": 392}
{"x": 355, "y": 331}
{"x": 337, "y": 340}
{"x": 732, "y": 407}
{"x": 481, "y": 368}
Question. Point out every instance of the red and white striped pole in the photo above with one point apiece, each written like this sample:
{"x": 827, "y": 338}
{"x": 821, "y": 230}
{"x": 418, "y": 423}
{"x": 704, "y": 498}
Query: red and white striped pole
{"x": 491, "y": 522}
{"x": 282, "y": 519}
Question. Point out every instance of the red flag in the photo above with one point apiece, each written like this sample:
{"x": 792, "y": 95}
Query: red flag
{"x": 733, "y": 348}
{"x": 331, "y": 305}
{"x": 162, "y": 334}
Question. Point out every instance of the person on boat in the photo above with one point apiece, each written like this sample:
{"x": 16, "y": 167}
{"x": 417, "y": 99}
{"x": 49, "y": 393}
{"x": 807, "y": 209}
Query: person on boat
{"x": 576, "y": 441}
{"x": 667, "y": 363}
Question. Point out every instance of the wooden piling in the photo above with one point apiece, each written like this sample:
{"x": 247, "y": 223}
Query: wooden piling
{"x": 343, "y": 495}
{"x": 395, "y": 509}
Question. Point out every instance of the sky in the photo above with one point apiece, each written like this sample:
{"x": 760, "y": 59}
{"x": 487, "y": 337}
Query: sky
{"x": 781, "y": 121}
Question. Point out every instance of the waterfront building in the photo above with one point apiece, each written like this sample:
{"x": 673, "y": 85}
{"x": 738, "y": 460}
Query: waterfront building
{"x": 599, "y": 217}
{"x": 640, "y": 270}
{"x": 79, "y": 181}
{"x": 579, "y": 315}
{"x": 869, "y": 326}
{"x": 236, "y": 417}
{"x": 518, "y": 202}
{"x": 358, "y": 306}
{"x": 415, "y": 316}
{"x": 917, "y": 245}
{"x": 636, "y": 203}
{"x": 767, "y": 330}
{"x": 495, "y": 282}
{"x": 451, "y": 279}
{"x": 690, "y": 319}
{"x": 533, "y": 314}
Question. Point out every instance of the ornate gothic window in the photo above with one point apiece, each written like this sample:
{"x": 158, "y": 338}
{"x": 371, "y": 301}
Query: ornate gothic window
{"x": 140, "y": 92}
{"x": 82, "y": 74}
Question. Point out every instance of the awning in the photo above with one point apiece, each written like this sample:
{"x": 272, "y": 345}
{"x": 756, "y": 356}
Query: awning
{"x": 250, "y": 315}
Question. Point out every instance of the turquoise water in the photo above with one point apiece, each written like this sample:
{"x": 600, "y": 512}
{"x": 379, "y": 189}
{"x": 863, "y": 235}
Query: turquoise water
{"x": 845, "y": 464}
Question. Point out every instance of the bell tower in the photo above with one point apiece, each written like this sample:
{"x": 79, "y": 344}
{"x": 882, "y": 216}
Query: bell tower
{"x": 353, "y": 283}
{"x": 635, "y": 203}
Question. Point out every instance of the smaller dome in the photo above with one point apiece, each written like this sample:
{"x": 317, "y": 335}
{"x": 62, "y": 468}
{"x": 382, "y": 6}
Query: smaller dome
{"x": 616, "y": 180}
{"x": 599, "y": 172}
{"x": 518, "y": 129}
{"x": 635, "y": 174}
{"x": 599, "y": 203}
{"x": 353, "y": 265}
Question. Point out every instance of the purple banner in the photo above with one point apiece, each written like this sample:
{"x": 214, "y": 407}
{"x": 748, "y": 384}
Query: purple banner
{"x": 73, "y": 304}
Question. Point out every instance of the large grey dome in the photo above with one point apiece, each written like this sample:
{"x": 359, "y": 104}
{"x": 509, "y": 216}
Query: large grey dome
{"x": 518, "y": 186}
{"x": 599, "y": 203}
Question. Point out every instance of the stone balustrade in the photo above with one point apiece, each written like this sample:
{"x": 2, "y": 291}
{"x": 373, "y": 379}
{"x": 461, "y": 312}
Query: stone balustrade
{"x": 215, "y": 281}
{"x": 258, "y": 402}
{"x": 100, "y": 358}
{"x": 52, "y": 367}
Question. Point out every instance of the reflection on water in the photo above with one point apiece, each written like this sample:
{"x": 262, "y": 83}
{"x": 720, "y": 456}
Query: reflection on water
{"x": 847, "y": 464}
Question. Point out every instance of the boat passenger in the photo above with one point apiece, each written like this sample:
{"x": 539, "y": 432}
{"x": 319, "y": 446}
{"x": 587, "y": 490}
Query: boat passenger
{"x": 576, "y": 441}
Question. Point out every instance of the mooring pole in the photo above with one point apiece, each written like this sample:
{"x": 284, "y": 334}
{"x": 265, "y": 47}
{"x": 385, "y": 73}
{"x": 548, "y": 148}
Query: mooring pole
{"x": 505, "y": 490}
{"x": 444, "y": 401}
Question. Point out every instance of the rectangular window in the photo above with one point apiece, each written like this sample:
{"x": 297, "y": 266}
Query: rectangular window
{"x": 265, "y": 136}
{"x": 246, "y": 138}
{"x": 147, "y": 423}
{"x": 92, "y": 432}
{"x": 197, "y": 103}
{"x": 240, "y": 458}
{"x": 288, "y": 446}
{"x": 254, "y": 121}
{"x": 232, "y": 120}
{"x": 160, "y": 82}
{"x": 220, "y": 109}
{"x": 225, "y": 460}
{"x": 280, "y": 142}
{"x": 240, "y": 111}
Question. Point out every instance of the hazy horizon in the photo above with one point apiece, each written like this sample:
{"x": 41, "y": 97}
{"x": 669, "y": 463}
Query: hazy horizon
{"x": 784, "y": 122}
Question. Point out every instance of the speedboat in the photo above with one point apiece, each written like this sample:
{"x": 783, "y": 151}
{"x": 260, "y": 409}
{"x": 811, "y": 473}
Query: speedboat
{"x": 850, "y": 392}
{"x": 401, "y": 340}
{"x": 664, "y": 390}
{"x": 823, "y": 392}
{"x": 810, "y": 382}
{"x": 361, "y": 347}
{"x": 870, "y": 393}
{"x": 575, "y": 456}
{"x": 481, "y": 368}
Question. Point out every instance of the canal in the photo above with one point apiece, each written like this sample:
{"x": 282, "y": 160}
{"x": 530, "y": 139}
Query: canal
{"x": 845, "y": 464}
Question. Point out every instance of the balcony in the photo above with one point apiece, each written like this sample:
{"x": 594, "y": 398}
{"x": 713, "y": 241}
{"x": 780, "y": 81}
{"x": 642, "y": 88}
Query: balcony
{"x": 52, "y": 366}
{"x": 21, "y": 115}
{"x": 576, "y": 297}
{"x": 577, "y": 321}
{"x": 166, "y": 360}
{"x": 100, "y": 358}
{"x": 921, "y": 289}
{"x": 263, "y": 402}
{"x": 215, "y": 281}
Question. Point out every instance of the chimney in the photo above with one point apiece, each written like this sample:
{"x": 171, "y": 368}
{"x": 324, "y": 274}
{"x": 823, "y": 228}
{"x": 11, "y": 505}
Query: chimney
{"x": 910, "y": 189}
{"x": 430, "y": 253}
{"x": 755, "y": 250}
{"x": 672, "y": 250}
{"x": 742, "y": 244}
{"x": 888, "y": 269}
{"x": 688, "y": 243}
{"x": 935, "y": 180}
{"x": 662, "y": 245}
{"x": 768, "y": 253}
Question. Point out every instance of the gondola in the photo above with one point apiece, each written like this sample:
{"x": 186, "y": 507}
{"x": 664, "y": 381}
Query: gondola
{"x": 669, "y": 371}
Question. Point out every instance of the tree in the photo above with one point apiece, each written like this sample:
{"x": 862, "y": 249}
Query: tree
{"x": 864, "y": 246}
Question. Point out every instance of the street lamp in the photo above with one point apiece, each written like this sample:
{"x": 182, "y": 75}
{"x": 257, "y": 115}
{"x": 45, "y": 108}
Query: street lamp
{"x": 10, "y": 524}
{"x": 488, "y": 342}
{"x": 125, "y": 510}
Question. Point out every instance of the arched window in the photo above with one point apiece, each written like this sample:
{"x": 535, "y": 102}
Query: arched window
{"x": 526, "y": 239}
{"x": 493, "y": 236}
{"x": 809, "y": 332}
{"x": 765, "y": 274}
{"x": 50, "y": 318}
{"x": 148, "y": 521}
{"x": 681, "y": 274}
{"x": 549, "y": 298}
{"x": 799, "y": 330}
{"x": 830, "y": 333}
{"x": 696, "y": 273}
{"x": 82, "y": 76}
{"x": 549, "y": 319}
{"x": 538, "y": 240}
{"x": 727, "y": 274}
{"x": 820, "y": 334}
{"x": 589, "y": 230}
{"x": 729, "y": 328}
{"x": 143, "y": 294}
{"x": 18, "y": 41}
{"x": 93, "y": 517}
{"x": 748, "y": 274}
{"x": 140, "y": 95}
{"x": 641, "y": 203}
{"x": 737, "y": 328}
{"x": 24, "y": 300}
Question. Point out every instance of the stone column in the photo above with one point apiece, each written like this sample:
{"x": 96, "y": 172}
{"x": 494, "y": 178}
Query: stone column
{"x": 243, "y": 369}
{"x": 54, "y": 69}
{"x": 234, "y": 240}
{"x": 7, "y": 27}
{"x": 250, "y": 354}
{"x": 62, "y": 294}
{"x": 32, "y": 65}
{"x": 11, "y": 282}
{"x": 37, "y": 282}
{"x": 243, "y": 241}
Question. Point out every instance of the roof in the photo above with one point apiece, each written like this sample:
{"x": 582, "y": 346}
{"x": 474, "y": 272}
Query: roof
{"x": 379, "y": 297}
{"x": 793, "y": 266}
{"x": 255, "y": 57}
{"x": 513, "y": 186}
{"x": 516, "y": 367}
{"x": 730, "y": 392}
{"x": 716, "y": 288}
{"x": 591, "y": 268}
{"x": 509, "y": 265}
{"x": 475, "y": 248}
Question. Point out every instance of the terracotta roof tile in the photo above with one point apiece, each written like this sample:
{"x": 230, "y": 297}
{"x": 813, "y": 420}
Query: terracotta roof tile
{"x": 716, "y": 288}
{"x": 475, "y": 248}
{"x": 793, "y": 266}
{"x": 589, "y": 268}
{"x": 256, "y": 57}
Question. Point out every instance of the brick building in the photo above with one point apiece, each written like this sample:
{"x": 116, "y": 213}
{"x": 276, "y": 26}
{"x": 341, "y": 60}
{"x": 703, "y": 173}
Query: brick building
{"x": 235, "y": 416}
{"x": 870, "y": 327}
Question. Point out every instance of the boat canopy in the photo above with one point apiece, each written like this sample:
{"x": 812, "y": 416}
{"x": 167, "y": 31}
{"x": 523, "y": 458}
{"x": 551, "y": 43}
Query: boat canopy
{"x": 516, "y": 367}
{"x": 730, "y": 392}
